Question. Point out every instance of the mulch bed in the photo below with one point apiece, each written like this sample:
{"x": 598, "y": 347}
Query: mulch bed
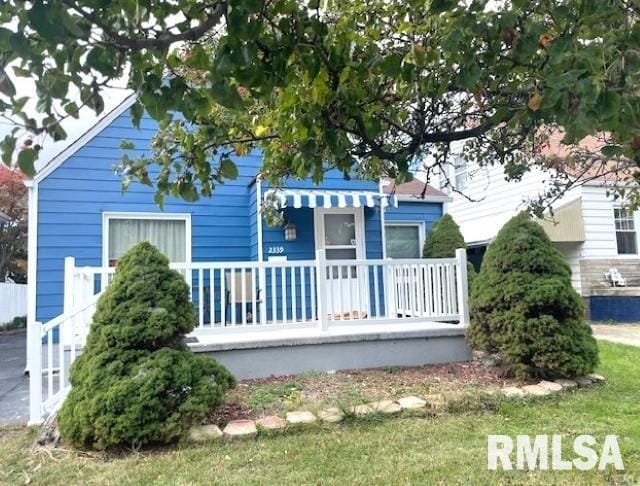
{"x": 357, "y": 385}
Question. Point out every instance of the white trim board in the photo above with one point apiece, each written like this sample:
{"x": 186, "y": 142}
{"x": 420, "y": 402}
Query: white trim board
{"x": 107, "y": 215}
{"x": 81, "y": 141}
{"x": 419, "y": 224}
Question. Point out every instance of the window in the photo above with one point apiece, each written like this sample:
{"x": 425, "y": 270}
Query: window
{"x": 404, "y": 240}
{"x": 460, "y": 173}
{"x": 625, "y": 231}
{"x": 170, "y": 233}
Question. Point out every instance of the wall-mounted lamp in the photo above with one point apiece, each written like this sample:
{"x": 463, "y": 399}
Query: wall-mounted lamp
{"x": 290, "y": 231}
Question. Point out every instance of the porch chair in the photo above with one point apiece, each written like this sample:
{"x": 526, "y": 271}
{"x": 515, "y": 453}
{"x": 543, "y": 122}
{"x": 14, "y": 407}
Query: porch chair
{"x": 615, "y": 278}
{"x": 249, "y": 289}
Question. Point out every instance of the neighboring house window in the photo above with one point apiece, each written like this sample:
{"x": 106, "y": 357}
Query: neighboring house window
{"x": 460, "y": 173}
{"x": 169, "y": 233}
{"x": 404, "y": 240}
{"x": 625, "y": 231}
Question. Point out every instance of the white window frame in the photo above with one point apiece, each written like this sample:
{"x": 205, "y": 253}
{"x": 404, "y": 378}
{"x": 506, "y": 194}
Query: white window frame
{"x": 462, "y": 171}
{"x": 635, "y": 217}
{"x": 419, "y": 224}
{"x": 107, "y": 216}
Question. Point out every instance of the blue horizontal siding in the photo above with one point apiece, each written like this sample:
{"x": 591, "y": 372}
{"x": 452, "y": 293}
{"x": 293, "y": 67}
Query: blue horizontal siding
{"x": 74, "y": 196}
{"x": 614, "y": 308}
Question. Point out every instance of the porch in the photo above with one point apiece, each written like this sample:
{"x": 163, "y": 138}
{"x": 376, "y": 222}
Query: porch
{"x": 281, "y": 317}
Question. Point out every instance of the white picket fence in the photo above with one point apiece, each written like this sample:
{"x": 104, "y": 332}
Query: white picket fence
{"x": 229, "y": 297}
{"x": 13, "y": 301}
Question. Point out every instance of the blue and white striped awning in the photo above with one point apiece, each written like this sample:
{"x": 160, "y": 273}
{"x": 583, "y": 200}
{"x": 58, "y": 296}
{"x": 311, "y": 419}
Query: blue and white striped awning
{"x": 318, "y": 198}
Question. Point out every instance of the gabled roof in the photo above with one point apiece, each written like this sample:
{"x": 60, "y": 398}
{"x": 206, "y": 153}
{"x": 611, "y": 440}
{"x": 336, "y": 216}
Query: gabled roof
{"x": 414, "y": 191}
{"x": 103, "y": 123}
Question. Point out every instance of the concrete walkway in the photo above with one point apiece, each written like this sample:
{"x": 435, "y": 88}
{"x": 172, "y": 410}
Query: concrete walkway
{"x": 14, "y": 384}
{"x": 618, "y": 333}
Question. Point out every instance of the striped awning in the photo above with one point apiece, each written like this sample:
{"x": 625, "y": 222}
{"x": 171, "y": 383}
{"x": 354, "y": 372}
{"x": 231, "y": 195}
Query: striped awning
{"x": 318, "y": 198}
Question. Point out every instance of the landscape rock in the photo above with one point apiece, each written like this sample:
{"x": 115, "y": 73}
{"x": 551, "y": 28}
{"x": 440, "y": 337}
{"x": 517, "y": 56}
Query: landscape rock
{"x": 300, "y": 417}
{"x": 203, "y": 433}
{"x": 566, "y": 383}
{"x": 385, "y": 406}
{"x": 331, "y": 415}
{"x": 551, "y": 386}
{"x": 271, "y": 422}
{"x": 513, "y": 391}
{"x": 412, "y": 403}
{"x": 596, "y": 378}
{"x": 536, "y": 390}
{"x": 583, "y": 381}
{"x": 239, "y": 429}
{"x": 360, "y": 410}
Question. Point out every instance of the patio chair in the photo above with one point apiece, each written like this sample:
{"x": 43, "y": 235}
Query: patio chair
{"x": 249, "y": 288}
{"x": 615, "y": 278}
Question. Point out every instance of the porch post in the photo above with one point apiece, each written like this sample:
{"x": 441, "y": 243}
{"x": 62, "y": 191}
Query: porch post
{"x": 321, "y": 289}
{"x": 34, "y": 345}
{"x": 69, "y": 295}
{"x": 463, "y": 287}
{"x": 262, "y": 277}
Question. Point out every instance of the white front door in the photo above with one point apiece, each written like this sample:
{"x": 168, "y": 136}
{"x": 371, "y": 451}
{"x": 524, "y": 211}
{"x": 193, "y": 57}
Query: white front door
{"x": 340, "y": 233}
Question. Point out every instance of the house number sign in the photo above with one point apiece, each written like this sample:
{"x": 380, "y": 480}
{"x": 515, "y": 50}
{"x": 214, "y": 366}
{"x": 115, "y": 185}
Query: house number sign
{"x": 275, "y": 250}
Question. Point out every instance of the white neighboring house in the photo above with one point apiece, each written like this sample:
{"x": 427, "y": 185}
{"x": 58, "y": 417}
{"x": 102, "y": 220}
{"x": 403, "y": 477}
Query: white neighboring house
{"x": 594, "y": 232}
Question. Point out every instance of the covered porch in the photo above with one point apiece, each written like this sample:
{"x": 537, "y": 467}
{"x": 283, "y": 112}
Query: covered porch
{"x": 282, "y": 317}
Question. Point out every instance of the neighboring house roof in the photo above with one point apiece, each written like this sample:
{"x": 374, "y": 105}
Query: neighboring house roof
{"x": 415, "y": 190}
{"x": 596, "y": 171}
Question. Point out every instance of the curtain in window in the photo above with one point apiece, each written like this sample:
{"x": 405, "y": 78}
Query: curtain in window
{"x": 403, "y": 241}
{"x": 169, "y": 236}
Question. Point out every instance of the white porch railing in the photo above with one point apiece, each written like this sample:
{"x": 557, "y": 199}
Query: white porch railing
{"x": 259, "y": 296}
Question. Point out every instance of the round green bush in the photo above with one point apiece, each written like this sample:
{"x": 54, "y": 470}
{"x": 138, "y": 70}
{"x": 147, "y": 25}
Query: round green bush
{"x": 442, "y": 241}
{"x": 524, "y": 308}
{"x": 136, "y": 382}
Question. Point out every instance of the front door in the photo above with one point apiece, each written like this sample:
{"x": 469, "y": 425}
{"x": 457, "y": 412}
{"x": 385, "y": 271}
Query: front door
{"x": 340, "y": 233}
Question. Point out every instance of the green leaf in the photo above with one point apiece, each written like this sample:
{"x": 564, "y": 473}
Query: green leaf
{"x": 8, "y": 146}
{"x": 18, "y": 104}
{"x": 26, "y": 161}
{"x": 228, "y": 170}
{"x": 6, "y": 85}
{"x": 439, "y": 6}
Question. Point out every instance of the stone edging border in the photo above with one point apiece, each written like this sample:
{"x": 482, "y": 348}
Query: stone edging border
{"x": 246, "y": 428}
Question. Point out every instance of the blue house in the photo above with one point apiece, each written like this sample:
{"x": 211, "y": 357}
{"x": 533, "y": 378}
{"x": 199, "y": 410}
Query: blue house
{"x": 348, "y": 253}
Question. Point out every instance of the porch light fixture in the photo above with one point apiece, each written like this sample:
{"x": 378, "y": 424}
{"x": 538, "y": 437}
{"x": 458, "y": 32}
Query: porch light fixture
{"x": 290, "y": 231}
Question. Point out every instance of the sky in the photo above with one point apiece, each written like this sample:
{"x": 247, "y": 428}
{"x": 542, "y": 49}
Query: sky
{"x": 74, "y": 127}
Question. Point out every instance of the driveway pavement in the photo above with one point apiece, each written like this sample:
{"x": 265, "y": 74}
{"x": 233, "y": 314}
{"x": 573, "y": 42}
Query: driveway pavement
{"x": 618, "y": 333}
{"x": 14, "y": 384}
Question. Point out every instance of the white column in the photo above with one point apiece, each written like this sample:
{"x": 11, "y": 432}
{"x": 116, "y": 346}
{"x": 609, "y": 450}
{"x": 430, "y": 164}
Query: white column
{"x": 32, "y": 246}
{"x": 34, "y": 345}
{"x": 321, "y": 290}
{"x": 262, "y": 278}
{"x": 463, "y": 287}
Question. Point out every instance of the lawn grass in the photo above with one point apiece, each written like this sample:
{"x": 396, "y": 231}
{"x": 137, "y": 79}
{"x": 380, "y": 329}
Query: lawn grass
{"x": 448, "y": 449}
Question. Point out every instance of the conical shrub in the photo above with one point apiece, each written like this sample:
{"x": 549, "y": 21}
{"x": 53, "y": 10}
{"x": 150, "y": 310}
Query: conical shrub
{"x": 136, "y": 382}
{"x": 442, "y": 241}
{"x": 524, "y": 308}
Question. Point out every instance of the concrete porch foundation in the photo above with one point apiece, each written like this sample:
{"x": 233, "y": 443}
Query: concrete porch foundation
{"x": 260, "y": 354}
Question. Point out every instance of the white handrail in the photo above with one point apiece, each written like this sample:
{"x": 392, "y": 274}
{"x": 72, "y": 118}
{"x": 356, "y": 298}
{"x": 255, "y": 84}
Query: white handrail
{"x": 250, "y": 296}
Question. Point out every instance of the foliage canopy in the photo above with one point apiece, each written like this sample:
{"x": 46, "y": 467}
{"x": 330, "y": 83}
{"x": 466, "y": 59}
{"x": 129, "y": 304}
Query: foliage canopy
{"x": 375, "y": 84}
